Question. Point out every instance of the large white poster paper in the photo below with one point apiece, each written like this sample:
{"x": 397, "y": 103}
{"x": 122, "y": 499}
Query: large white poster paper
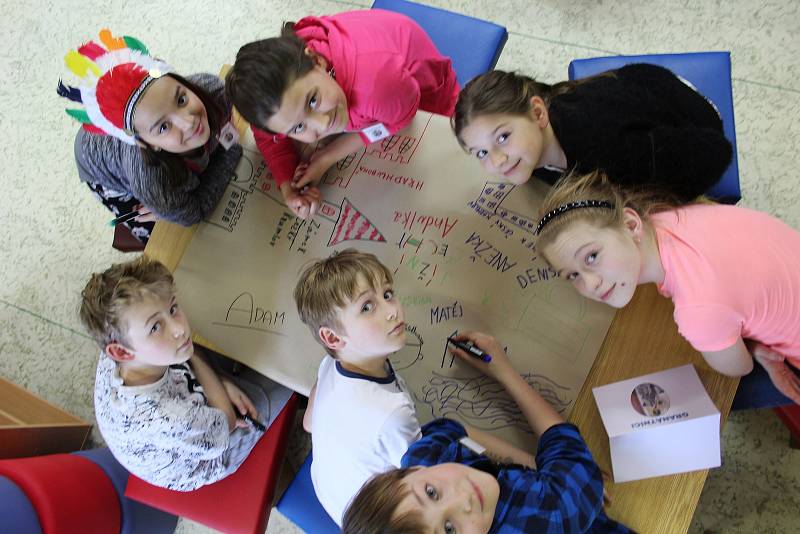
{"x": 461, "y": 247}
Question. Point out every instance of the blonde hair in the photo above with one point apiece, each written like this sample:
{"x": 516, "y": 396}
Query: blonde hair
{"x": 596, "y": 186}
{"x": 108, "y": 294}
{"x": 372, "y": 510}
{"x": 327, "y": 286}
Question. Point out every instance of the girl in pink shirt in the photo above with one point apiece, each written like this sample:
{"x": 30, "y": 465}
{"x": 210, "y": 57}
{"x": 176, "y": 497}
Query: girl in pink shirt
{"x": 732, "y": 273}
{"x": 361, "y": 74}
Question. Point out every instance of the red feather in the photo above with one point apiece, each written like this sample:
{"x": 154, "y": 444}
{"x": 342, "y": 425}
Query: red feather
{"x": 92, "y": 50}
{"x": 91, "y": 128}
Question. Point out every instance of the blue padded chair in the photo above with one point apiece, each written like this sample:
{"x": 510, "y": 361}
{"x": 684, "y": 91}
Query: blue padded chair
{"x": 710, "y": 73}
{"x": 16, "y": 511}
{"x": 472, "y": 44}
{"x": 299, "y": 503}
{"x": 136, "y": 518}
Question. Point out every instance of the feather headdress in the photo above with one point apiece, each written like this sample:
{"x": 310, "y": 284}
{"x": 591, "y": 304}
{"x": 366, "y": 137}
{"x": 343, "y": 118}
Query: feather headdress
{"x": 113, "y": 77}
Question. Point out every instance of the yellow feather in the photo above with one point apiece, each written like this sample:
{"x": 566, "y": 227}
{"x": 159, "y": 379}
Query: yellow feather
{"x": 111, "y": 42}
{"x": 80, "y": 65}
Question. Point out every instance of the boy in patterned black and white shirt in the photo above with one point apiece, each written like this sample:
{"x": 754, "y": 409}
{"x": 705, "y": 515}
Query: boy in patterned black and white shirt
{"x": 164, "y": 412}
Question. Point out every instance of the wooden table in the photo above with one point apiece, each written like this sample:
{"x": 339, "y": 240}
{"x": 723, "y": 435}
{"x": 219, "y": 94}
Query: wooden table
{"x": 642, "y": 339}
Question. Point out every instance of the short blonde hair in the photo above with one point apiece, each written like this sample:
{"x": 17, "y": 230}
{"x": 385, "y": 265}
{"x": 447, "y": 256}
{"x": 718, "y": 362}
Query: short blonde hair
{"x": 597, "y": 186}
{"x": 373, "y": 509}
{"x": 108, "y": 294}
{"x": 327, "y": 286}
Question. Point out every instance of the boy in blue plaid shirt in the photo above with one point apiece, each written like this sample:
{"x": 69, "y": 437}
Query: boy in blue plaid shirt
{"x": 446, "y": 483}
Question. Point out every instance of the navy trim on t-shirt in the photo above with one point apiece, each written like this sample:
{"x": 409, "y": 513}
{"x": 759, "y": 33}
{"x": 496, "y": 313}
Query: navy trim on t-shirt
{"x": 350, "y": 374}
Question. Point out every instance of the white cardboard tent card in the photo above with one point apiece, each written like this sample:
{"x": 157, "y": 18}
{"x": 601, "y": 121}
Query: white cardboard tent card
{"x": 660, "y": 424}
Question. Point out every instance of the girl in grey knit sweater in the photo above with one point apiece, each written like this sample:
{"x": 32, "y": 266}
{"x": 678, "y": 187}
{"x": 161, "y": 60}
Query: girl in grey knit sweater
{"x": 150, "y": 137}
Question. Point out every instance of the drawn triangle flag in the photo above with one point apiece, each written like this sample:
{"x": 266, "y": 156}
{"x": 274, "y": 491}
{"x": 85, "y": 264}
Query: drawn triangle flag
{"x": 352, "y": 225}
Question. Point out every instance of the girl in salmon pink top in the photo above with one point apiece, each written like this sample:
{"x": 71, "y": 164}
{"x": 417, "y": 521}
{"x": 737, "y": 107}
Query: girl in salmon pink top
{"x": 732, "y": 273}
{"x": 359, "y": 75}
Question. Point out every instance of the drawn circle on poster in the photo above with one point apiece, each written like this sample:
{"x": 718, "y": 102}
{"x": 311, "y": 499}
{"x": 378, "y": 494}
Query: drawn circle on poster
{"x": 650, "y": 399}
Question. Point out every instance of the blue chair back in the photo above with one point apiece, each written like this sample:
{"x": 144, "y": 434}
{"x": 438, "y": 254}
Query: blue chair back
{"x": 473, "y": 45}
{"x": 16, "y": 511}
{"x": 299, "y": 503}
{"x": 710, "y": 73}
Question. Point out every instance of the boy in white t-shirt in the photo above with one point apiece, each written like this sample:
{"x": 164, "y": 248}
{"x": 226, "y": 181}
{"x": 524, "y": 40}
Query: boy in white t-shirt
{"x": 361, "y": 415}
{"x": 164, "y": 412}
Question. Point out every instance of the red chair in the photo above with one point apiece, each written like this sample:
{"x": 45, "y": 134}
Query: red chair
{"x": 124, "y": 241}
{"x": 790, "y": 415}
{"x": 69, "y": 493}
{"x": 239, "y": 503}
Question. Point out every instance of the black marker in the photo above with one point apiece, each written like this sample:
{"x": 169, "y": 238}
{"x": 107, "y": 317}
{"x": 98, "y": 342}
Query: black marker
{"x": 470, "y": 348}
{"x": 258, "y": 425}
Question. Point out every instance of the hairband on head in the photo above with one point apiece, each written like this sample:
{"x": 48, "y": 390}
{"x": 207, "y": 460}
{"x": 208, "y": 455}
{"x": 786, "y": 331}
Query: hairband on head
{"x": 550, "y": 215}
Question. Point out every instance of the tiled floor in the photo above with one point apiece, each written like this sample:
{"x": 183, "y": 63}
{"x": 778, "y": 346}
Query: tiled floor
{"x": 54, "y": 233}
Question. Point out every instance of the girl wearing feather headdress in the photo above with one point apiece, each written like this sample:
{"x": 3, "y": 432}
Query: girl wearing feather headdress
{"x": 150, "y": 138}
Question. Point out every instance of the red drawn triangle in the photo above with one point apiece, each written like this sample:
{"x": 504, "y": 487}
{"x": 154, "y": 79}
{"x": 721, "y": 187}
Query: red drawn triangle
{"x": 352, "y": 225}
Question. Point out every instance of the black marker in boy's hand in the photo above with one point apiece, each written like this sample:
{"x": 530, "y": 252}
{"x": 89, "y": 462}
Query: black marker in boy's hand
{"x": 470, "y": 348}
{"x": 258, "y": 425}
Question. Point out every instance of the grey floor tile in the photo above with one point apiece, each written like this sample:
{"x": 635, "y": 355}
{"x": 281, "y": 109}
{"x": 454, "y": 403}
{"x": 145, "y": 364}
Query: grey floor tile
{"x": 50, "y": 361}
{"x": 757, "y": 489}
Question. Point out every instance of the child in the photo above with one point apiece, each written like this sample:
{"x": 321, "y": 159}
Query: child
{"x": 362, "y": 74}
{"x": 163, "y": 411}
{"x": 732, "y": 273}
{"x": 149, "y": 141}
{"x": 362, "y": 415}
{"x": 641, "y": 124}
{"x": 446, "y": 485}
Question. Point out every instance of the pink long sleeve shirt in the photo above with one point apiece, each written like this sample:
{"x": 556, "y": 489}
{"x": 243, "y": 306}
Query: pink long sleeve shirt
{"x": 387, "y": 67}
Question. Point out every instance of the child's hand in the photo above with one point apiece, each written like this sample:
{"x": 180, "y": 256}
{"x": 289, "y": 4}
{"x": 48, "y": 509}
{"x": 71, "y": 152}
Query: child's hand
{"x": 145, "y": 215}
{"x": 240, "y": 401}
{"x": 778, "y": 370}
{"x": 500, "y": 364}
{"x": 311, "y": 173}
{"x": 304, "y": 204}
{"x": 763, "y": 353}
{"x": 783, "y": 378}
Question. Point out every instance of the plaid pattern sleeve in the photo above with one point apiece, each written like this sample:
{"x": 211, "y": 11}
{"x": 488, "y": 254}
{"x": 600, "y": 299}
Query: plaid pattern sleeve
{"x": 439, "y": 444}
{"x": 564, "y": 495}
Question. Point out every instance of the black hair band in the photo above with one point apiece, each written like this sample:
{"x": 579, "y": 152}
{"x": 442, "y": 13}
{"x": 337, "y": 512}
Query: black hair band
{"x": 550, "y": 215}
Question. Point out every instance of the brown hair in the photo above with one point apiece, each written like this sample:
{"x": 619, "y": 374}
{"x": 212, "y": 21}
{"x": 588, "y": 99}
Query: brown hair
{"x": 596, "y": 186}
{"x": 372, "y": 510}
{"x": 108, "y": 294}
{"x": 504, "y": 92}
{"x": 174, "y": 163}
{"x": 262, "y": 72}
{"x": 328, "y": 285}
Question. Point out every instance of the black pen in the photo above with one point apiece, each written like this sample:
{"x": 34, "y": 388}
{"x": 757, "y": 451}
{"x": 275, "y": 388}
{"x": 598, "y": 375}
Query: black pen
{"x": 470, "y": 348}
{"x": 258, "y": 425}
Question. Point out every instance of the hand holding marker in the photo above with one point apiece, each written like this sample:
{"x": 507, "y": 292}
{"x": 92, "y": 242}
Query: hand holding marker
{"x": 470, "y": 348}
{"x": 123, "y": 218}
{"x": 258, "y": 425}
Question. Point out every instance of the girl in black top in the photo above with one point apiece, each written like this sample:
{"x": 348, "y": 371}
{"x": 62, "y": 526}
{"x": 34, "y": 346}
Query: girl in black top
{"x": 640, "y": 124}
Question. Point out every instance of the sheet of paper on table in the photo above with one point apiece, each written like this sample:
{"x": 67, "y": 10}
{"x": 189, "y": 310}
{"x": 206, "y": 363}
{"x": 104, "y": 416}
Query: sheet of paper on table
{"x": 660, "y": 424}
{"x": 461, "y": 247}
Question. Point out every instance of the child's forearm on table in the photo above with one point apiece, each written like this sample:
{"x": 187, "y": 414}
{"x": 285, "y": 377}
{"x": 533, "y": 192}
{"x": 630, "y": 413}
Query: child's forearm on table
{"x": 214, "y": 391}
